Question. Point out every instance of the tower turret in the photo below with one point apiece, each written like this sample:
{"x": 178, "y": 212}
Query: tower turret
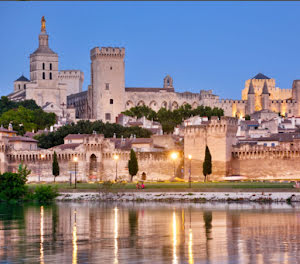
{"x": 251, "y": 99}
{"x": 265, "y": 102}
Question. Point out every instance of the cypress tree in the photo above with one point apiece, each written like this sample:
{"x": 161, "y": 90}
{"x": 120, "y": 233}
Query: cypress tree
{"x": 55, "y": 166}
{"x": 207, "y": 163}
{"x": 133, "y": 166}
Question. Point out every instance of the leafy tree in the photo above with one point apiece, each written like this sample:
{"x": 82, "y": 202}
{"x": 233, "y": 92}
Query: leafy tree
{"x": 55, "y": 166}
{"x": 6, "y": 104}
{"x": 12, "y": 185}
{"x": 24, "y": 119}
{"x": 133, "y": 166}
{"x": 170, "y": 119}
{"x": 87, "y": 127}
{"x": 207, "y": 166}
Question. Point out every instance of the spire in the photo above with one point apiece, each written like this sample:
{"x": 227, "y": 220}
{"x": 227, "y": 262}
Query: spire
{"x": 251, "y": 88}
{"x": 43, "y": 40}
{"x": 265, "y": 88}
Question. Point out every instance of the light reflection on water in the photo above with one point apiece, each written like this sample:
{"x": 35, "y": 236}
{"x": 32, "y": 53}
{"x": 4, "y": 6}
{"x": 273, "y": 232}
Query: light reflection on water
{"x": 149, "y": 233}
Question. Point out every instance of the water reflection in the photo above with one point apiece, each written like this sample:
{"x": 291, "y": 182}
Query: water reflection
{"x": 174, "y": 238}
{"x": 148, "y": 233}
{"x": 74, "y": 240}
{"x": 116, "y": 227}
{"x": 42, "y": 235}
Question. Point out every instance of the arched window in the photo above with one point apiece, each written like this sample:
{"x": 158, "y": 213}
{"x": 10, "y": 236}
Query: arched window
{"x": 43, "y": 66}
{"x": 50, "y": 67}
{"x": 19, "y": 86}
{"x": 24, "y": 86}
{"x": 50, "y": 75}
{"x": 43, "y": 76}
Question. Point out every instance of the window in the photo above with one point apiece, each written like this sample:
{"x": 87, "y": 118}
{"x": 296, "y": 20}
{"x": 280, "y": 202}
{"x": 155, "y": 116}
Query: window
{"x": 111, "y": 101}
{"x": 110, "y": 68}
{"x": 24, "y": 86}
{"x": 273, "y": 144}
{"x": 43, "y": 76}
{"x": 50, "y": 75}
{"x": 107, "y": 116}
{"x": 19, "y": 86}
{"x": 43, "y": 66}
{"x": 265, "y": 144}
{"x": 50, "y": 67}
{"x": 107, "y": 86}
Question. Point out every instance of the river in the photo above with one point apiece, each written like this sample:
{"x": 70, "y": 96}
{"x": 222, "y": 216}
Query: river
{"x": 94, "y": 232}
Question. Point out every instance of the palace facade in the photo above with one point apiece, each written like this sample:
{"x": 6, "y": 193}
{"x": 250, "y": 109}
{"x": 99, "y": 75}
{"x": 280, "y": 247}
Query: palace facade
{"x": 60, "y": 91}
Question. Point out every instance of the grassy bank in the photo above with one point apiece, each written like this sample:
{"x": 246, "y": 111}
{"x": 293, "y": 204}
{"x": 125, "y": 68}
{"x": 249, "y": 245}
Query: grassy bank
{"x": 173, "y": 186}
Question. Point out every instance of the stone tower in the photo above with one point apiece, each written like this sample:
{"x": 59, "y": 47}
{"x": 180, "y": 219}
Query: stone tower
{"x": 296, "y": 95}
{"x": 44, "y": 86}
{"x": 219, "y": 136}
{"x": 250, "y": 100}
{"x": 43, "y": 61}
{"x": 107, "y": 89}
{"x": 265, "y": 102}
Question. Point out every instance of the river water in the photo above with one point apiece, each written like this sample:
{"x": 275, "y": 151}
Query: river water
{"x": 92, "y": 232}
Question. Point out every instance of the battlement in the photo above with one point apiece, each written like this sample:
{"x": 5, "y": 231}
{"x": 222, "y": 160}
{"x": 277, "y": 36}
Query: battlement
{"x": 214, "y": 125}
{"x": 113, "y": 52}
{"x": 70, "y": 74}
{"x": 282, "y": 151}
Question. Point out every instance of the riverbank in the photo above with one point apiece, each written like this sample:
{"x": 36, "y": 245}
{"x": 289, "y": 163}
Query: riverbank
{"x": 142, "y": 196}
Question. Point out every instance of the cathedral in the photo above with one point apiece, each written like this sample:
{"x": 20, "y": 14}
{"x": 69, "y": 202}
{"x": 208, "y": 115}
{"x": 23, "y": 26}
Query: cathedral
{"x": 60, "y": 91}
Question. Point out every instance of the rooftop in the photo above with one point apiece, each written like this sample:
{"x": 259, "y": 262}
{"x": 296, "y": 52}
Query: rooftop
{"x": 22, "y": 78}
{"x": 23, "y": 139}
{"x": 260, "y": 76}
{"x": 146, "y": 89}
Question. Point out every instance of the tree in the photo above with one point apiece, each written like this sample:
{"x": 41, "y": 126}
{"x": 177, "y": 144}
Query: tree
{"x": 207, "y": 163}
{"x": 55, "y": 166}
{"x": 169, "y": 119}
{"x": 133, "y": 166}
{"x": 87, "y": 127}
{"x": 24, "y": 119}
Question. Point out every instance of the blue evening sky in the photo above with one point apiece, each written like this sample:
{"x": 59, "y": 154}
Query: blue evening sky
{"x": 202, "y": 45}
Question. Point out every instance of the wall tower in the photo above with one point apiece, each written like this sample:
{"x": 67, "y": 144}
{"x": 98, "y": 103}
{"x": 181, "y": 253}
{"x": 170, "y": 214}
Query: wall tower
{"x": 219, "y": 136}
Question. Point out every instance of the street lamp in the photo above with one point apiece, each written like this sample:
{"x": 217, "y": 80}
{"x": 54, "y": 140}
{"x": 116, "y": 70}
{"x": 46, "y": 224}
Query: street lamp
{"x": 174, "y": 156}
{"x": 190, "y": 170}
{"x": 116, "y": 158}
{"x": 42, "y": 156}
{"x": 75, "y": 159}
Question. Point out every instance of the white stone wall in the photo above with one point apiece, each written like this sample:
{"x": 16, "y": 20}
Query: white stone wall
{"x": 73, "y": 80}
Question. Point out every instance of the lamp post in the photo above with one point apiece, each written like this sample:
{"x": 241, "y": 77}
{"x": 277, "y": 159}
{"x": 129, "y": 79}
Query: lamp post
{"x": 174, "y": 156}
{"x": 116, "y": 158}
{"x": 42, "y": 156}
{"x": 75, "y": 159}
{"x": 190, "y": 170}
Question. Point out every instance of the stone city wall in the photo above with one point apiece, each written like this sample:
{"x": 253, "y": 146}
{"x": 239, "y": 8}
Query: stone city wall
{"x": 261, "y": 162}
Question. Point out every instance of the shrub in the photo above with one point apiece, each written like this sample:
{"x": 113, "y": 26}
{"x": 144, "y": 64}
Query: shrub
{"x": 12, "y": 185}
{"x": 45, "y": 193}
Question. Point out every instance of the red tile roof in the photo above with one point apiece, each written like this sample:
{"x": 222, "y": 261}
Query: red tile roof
{"x": 23, "y": 139}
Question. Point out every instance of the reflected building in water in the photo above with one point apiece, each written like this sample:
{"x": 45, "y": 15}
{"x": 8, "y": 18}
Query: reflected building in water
{"x": 77, "y": 233}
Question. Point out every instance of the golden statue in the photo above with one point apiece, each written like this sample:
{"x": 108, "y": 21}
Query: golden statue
{"x": 43, "y": 21}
